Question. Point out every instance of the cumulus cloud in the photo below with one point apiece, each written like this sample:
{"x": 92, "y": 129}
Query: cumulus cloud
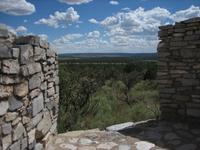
{"x": 16, "y": 7}
{"x": 58, "y": 19}
{"x": 21, "y": 29}
{"x": 92, "y": 20}
{"x": 75, "y": 2}
{"x": 191, "y": 12}
{"x": 127, "y": 31}
{"x": 114, "y": 2}
{"x": 43, "y": 36}
{"x": 94, "y": 34}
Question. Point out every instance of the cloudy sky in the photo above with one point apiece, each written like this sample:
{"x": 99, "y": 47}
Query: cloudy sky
{"x": 96, "y": 25}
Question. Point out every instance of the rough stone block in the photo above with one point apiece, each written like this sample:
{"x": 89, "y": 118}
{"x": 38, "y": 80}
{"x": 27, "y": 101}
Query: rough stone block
{"x": 6, "y": 141}
{"x": 15, "y": 146}
{"x": 10, "y": 116}
{"x": 37, "y": 104}
{"x": 34, "y": 82}
{"x": 14, "y": 103}
{"x": 4, "y": 105}
{"x": 21, "y": 89}
{"x": 44, "y": 126}
{"x": 26, "y": 53}
{"x": 39, "y": 54}
{"x": 10, "y": 66}
{"x": 18, "y": 131}
{"x": 5, "y": 52}
{"x": 6, "y": 128}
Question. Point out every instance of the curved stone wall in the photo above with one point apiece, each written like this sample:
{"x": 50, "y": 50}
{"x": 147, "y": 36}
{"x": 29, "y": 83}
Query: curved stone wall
{"x": 179, "y": 70}
{"x": 29, "y": 91}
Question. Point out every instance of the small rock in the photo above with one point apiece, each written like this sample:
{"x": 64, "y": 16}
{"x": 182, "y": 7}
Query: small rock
{"x": 124, "y": 147}
{"x": 31, "y": 136}
{"x": 121, "y": 126}
{"x": 73, "y": 140}
{"x": 34, "y": 82}
{"x": 107, "y": 146}
{"x": 143, "y": 145}
{"x": 68, "y": 146}
{"x": 24, "y": 144}
{"x": 26, "y": 53}
{"x": 15, "y": 146}
{"x": 84, "y": 141}
{"x": 87, "y": 148}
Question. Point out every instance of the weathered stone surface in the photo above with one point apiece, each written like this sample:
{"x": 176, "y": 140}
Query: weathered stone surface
{"x": 16, "y": 121}
{"x": 5, "y": 52}
{"x": 4, "y": 105}
{"x": 6, "y": 128}
{"x": 18, "y": 131}
{"x": 14, "y": 103}
{"x": 5, "y": 91}
{"x": 119, "y": 127}
{"x": 21, "y": 89}
{"x": 15, "y": 52}
{"x": 193, "y": 112}
{"x": 34, "y": 82}
{"x": 15, "y": 146}
{"x": 24, "y": 144}
{"x": 9, "y": 79}
{"x": 10, "y": 66}
{"x": 51, "y": 92}
{"x": 33, "y": 40}
{"x": 39, "y": 54}
{"x": 38, "y": 104}
{"x": 6, "y": 141}
{"x": 107, "y": 145}
{"x": 31, "y": 136}
{"x": 38, "y": 146}
{"x": 187, "y": 147}
{"x": 143, "y": 145}
{"x": 44, "y": 126}
{"x": 34, "y": 93}
{"x": 31, "y": 69}
{"x": 10, "y": 116}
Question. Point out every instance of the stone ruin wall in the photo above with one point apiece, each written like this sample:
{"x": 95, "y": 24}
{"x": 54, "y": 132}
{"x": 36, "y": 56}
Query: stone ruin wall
{"x": 29, "y": 91}
{"x": 179, "y": 71}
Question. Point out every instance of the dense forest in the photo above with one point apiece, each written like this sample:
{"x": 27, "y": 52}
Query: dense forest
{"x": 96, "y": 93}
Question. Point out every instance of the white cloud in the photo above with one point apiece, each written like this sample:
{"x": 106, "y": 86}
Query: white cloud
{"x": 114, "y": 2}
{"x": 43, "y": 36}
{"x": 60, "y": 19}
{"x": 94, "y": 34}
{"x": 126, "y": 31}
{"x": 16, "y": 7}
{"x": 75, "y": 2}
{"x": 21, "y": 29}
{"x": 191, "y": 12}
{"x": 94, "y": 21}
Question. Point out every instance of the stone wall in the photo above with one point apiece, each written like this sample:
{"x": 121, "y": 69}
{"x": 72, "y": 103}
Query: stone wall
{"x": 29, "y": 91}
{"x": 179, "y": 70}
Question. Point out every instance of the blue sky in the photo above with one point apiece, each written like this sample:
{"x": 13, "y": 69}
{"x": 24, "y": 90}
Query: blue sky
{"x": 74, "y": 26}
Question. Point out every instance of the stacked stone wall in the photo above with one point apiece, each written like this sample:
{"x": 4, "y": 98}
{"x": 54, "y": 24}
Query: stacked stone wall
{"x": 29, "y": 91}
{"x": 179, "y": 70}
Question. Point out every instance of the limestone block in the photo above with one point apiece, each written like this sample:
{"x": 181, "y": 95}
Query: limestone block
{"x": 31, "y": 136}
{"x": 39, "y": 54}
{"x": 14, "y": 103}
{"x": 5, "y": 51}
{"x": 10, "y": 66}
{"x": 15, "y": 146}
{"x": 24, "y": 144}
{"x": 10, "y": 116}
{"x": 37, "y": 104}
{"x": 4, "y": 105}
{"x": 15, "y": 52}
{"x": 21, "y": 89}
{"x": 51, "y": 92}
{"x": 26, "y": 53}
{"x": 34, "y": 82}
{"x": 6, "y": 128}
{"x": 31, "y": 69}
{"x": 6, "y": 141}
{"x": 9, "y": 79}
{"x": 18, "y": 131}
{"x": 44, "y": 126}
{"x": 34, "y": 93}
{"x": 32, "y": 40}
